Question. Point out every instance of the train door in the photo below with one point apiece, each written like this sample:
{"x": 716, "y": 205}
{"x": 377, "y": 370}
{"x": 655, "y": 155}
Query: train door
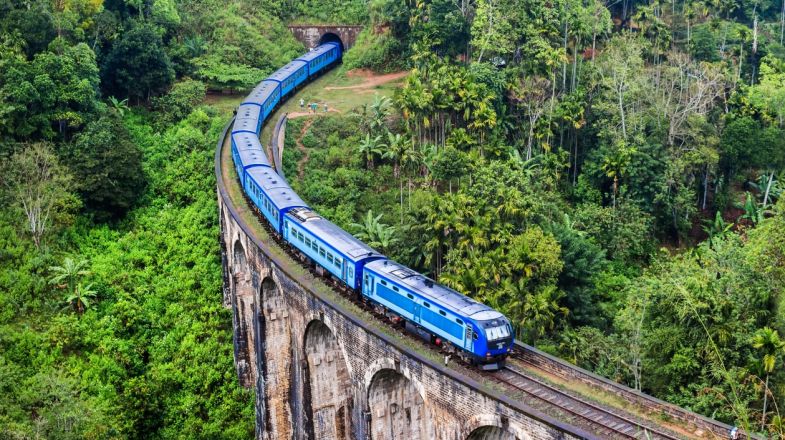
{"x": 468, "y": 338}
{"x": 343, "y": 273}
{"x": 416, "y": 312}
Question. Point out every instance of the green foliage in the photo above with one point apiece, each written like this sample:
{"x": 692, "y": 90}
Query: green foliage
{"x": 180, "y": 101}
{"x": 39, "y": 191}
{"x": 153, "y": 357}
{"x": 137, "y": 67}
{"x": 374, "y": 233}
{"x": 244, "y": 43}
{"x": 380, "y": 52}
{"x": 327, "y": 11}
{"x": 53, "y": 93}
{"x": 624, "y": 232}
{"x": 107, "y": 165}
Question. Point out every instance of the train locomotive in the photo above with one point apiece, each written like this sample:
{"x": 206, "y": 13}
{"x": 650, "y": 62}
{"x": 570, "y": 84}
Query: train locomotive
{"x": 470, "y": 329}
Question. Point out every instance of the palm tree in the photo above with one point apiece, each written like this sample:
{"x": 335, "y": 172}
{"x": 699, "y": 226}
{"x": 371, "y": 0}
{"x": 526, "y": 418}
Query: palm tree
{"x": 376, "y": 234}
{"x": 716, "y": 228}
{"x": 769, "y": 343}
{"x": 410, "y": 161}
{"x": 80, "y": 298}
{"x": 370, "y": 147}
{"x": 615, "y": 166}
{"x": 752, "y": 211}
{"x": 380, "y": 110}
{"x": 119, "y": 105}
{"x": 534, "y": 311}
{"x": 397, "y": 146}
{"x": 67, "y": 275}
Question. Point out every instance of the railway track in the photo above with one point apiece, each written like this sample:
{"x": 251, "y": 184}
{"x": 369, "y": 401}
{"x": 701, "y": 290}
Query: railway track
{"x": 603, "y": 421}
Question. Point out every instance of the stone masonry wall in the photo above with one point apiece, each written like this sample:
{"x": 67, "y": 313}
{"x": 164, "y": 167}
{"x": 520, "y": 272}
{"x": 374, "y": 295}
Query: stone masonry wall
{"x": 311, "y": 35}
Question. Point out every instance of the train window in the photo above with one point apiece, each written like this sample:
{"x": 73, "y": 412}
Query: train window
{"x": 384, "y": 283}
{"x": 410, "y": 296}
{"x": 329, "y": 258}
{"x": 337, "y": 263}
{"x": 441, "y": 312}
{"x": 475, "y": 336}
{"x": 315, "y": 247}
{"x": 458, "y": 321}
{"x": 426, "y": 305}
{"x": 307, "y": 241}
{"x": 351, "y": 273}
{"x": 321, "y": 251}
{"x": 395, "y": 288}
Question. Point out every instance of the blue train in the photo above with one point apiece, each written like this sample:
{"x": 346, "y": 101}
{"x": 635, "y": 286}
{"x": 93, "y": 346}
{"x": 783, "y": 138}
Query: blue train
{"x": 475, "y": 331}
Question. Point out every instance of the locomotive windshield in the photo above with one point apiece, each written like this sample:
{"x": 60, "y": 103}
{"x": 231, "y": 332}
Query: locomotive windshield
{"x": 499, "y": 332}
{"x": 496, "y": 330}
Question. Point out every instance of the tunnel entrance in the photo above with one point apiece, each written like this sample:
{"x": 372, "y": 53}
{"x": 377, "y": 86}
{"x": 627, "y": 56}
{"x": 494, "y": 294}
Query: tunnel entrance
{"x": 330, "y": 37}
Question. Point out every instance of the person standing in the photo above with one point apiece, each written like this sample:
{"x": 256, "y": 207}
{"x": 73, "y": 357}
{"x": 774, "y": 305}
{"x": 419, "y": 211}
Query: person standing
{"x": 325, "y": 107}
{"x": 302, "y": 103}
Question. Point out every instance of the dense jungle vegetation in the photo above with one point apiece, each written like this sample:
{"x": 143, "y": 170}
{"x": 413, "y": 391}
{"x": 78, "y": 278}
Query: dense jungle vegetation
{"x": 608, "y": 175}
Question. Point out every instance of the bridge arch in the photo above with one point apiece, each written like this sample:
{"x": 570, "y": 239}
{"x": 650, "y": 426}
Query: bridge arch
{"x": 242, "y": 309}
{"x": 274, "y": 350}
{"x": 396, "y": 408}
{"x": 494, "y": 427}
{"x": 327, "y": 383}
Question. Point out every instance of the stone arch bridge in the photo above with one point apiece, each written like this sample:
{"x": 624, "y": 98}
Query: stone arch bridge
{"x": 323, "y": 370}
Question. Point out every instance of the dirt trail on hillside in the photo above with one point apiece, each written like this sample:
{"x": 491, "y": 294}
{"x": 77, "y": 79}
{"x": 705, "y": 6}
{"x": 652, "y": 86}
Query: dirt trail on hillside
{"x": 295, "y": 115}
{"x": 371, "y": 80}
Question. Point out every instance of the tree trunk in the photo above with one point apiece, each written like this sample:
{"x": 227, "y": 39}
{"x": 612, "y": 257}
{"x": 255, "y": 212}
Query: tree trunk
{"x": 564, "y": 64}
{"x": 401, "y": 180}
{"x": 621, "y": 114}
{"x": 782, "y": 22}
{"x": 768, "y": 188}
{"x": 765, "y": 401}
{"x": 705, "y": 187}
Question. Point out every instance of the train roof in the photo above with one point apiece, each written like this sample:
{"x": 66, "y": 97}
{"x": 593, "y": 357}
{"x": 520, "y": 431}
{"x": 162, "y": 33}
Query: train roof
{"x": 248, "y": 111}
{"x": 318, "y": 50}
{"x": 438, "y": 293}
{"x": 261, "y": 92}
{"x": 330, "y": 233}
{"x": 279, "y": 192}
{"x": 246, "y": 141}
{"x": 245, "y": 124}
{"x": 287, "y": 70}
{"x": 250, "y": 158}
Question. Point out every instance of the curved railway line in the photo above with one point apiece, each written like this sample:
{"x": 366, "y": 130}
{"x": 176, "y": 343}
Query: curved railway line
{"x": 605, "y": 420}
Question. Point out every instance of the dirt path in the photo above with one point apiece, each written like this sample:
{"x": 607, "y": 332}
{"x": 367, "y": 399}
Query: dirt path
{"x": 299, "y": 142}
{"x": 371, "y": 80}
{"x": 294, "y": 115}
